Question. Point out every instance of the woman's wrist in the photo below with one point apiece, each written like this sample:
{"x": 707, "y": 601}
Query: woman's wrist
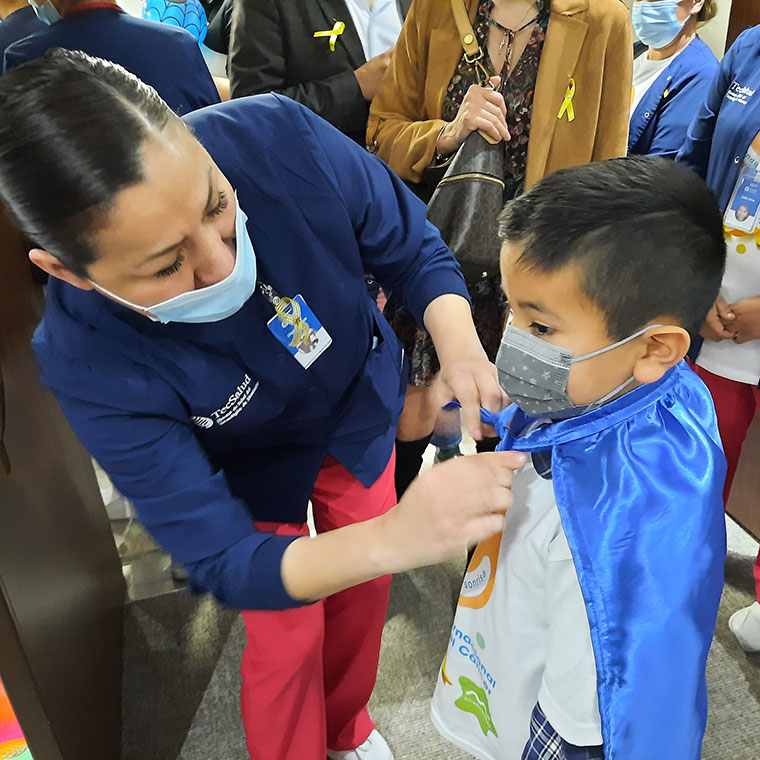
{"x": 313, "y": 568}
{"x": 445, "y": 144}
{"x": 448, "y": 319}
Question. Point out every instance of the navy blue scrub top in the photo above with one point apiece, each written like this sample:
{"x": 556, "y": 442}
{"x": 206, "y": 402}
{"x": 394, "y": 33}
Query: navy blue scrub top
{"x": 728, "y": 119}
{"x": 17, "y": 25}
{"x": 662, "y": 117}
{"x": 139, "y": 394}
{"x": 163, "y": 56}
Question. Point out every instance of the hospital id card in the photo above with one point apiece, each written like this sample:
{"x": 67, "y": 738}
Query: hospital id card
{"x": 311, "y": 342}
{"x": 742, "y": 210}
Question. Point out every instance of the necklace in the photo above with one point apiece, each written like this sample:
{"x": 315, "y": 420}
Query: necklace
{"x": 508, "y": 35}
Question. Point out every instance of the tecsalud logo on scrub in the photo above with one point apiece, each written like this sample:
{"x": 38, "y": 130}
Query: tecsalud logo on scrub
{"x": 235, "y": 404}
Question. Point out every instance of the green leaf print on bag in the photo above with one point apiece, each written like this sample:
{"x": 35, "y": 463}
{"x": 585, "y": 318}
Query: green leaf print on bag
{"x": 475, "y": 701}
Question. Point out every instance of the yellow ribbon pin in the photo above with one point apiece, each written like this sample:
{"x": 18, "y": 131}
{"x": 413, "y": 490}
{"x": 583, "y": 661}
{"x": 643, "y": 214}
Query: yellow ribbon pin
{"x": 567, "y": 103}
{"x": 333, "y": 33}
{"x": 289, "y": 313}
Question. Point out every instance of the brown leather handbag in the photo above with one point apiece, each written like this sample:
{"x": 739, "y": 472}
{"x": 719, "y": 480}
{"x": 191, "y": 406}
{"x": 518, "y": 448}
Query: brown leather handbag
{"x": 466, "y": 202}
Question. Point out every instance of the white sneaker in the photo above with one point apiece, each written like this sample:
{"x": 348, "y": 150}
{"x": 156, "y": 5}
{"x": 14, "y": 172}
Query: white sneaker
{"x": 745, "y": 625}
{"x": 375, "y": 748}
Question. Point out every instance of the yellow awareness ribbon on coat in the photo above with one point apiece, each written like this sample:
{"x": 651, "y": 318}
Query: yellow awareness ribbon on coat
{"x": 289, "y": 313}
{"x": 567, "y": 103}
{"x": 333, "y": 33}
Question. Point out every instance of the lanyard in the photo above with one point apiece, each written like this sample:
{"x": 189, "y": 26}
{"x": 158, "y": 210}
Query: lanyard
{"x": 288, "y": 311}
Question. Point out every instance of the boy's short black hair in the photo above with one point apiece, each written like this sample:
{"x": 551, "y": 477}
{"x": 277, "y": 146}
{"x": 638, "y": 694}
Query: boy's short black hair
{"x": 646, "y": 233}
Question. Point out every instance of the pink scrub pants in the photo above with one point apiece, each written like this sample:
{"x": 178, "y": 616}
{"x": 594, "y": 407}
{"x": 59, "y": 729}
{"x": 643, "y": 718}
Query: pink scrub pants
{"x": 308, "y": 672}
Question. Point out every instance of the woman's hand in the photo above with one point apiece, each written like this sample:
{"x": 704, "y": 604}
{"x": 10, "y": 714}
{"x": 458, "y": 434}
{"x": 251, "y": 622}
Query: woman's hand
{"x": 466, "y": 374}
{"x": 449, "y": 508}
{"x": 482, "y": 109}
{"x": 370, "y": 75}
{"x": 720, "y": 322}
{"x": 746, "y": 322}
{"x": 453, "y": 506}
{"x": 473, "y": 383}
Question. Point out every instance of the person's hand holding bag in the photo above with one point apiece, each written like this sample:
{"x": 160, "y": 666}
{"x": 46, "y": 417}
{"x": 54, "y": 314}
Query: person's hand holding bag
{"x": 483, "y": 109}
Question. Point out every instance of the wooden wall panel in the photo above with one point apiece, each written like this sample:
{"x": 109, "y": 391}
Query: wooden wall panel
{"x": 744, "y": 14}
{"x": 744, "y": 502}
{"x": 61, "y": 587}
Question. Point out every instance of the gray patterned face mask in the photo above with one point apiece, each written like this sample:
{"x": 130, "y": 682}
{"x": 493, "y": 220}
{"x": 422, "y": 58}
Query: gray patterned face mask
{"x": 534, "y": 374}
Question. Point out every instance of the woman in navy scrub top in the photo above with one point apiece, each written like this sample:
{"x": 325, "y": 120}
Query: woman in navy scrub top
{"x": 723, "y": 146}
{"x": 210, "y": 338}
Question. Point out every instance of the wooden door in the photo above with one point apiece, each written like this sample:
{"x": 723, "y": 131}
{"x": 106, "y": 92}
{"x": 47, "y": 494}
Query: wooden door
{"x": 744, "y": 502}
{"x": 61, "y": 587}
{"x": 744, "y": 14}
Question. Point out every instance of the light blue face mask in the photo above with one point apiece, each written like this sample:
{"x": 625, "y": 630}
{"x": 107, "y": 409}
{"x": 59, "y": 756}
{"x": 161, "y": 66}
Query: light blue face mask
{"x": 47, "y": 12}
{"x": 214, "y": 302}
{"x": 656, "y": 24}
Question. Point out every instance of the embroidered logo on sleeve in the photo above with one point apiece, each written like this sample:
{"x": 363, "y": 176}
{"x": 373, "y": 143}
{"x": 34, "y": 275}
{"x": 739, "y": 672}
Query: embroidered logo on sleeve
{"x": 234, "y": 405}
{"x": 739, "y": 94}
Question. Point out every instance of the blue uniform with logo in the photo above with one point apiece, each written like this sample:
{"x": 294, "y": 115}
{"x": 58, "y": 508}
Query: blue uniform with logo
{"x": 208, "y": 426}
{"x": 662, "y": 117}
{"x": 729, "y": 118}
{"x": 163, "y": 56}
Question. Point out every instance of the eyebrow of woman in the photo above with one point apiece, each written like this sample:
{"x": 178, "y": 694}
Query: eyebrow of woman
{"x": 209, "y": 206}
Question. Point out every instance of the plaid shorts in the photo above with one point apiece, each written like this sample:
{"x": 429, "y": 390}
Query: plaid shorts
{"x": 546, "y": 744}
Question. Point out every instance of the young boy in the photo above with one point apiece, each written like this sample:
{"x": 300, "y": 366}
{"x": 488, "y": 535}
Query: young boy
{"x": 583, "y": 630}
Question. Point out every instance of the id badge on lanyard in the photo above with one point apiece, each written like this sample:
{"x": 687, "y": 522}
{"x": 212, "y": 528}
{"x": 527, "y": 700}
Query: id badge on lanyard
{"x": 296, "y": 326}
{"x": 742, "y": 212}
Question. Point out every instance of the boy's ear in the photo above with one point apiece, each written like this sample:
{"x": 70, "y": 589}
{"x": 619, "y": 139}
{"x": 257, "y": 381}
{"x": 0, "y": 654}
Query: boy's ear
{"x": 52, "y": 266}
{"x": 664, "y": 348}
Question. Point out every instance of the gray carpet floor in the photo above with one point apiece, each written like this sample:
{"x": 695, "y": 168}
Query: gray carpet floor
{"x": 182, "y": 676}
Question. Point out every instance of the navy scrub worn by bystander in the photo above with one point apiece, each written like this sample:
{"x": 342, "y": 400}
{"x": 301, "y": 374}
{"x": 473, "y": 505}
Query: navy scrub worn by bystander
{"x": 723, "y": 146}
{"x": 672, "y": 76}
{"x": 165, "y": 57}
{"x": 17, "y": 20}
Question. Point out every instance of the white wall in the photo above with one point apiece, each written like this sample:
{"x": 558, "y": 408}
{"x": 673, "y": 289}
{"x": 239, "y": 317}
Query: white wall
{"x": 714, "y": 33}
{"x": 131, "y": 6}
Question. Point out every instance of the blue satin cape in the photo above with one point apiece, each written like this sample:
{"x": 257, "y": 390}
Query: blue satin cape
{"x": 638, "y": 485}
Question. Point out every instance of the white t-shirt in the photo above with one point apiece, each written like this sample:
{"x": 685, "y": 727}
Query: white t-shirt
{"x": 520, "y": 636}
{"x": 378, "y": 24}
{"x": 740, "y": 361}
{"x": 645, "y": 73}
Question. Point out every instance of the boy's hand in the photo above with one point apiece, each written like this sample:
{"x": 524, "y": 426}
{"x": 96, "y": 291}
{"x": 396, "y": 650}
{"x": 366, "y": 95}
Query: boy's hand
{"x": 746, "y": 324}
{"x": 448, "y": 508}
{"x": 720, "y": 322}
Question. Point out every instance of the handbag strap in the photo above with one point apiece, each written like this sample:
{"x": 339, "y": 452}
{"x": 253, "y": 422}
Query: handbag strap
{"x": 472, "y": 51}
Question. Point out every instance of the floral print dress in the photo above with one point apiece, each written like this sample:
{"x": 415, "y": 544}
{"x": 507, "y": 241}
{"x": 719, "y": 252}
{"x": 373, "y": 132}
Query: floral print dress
{"x": 518, "y": 88}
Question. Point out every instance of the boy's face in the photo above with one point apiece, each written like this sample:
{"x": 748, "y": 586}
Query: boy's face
{"x": 553, "y": 307}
